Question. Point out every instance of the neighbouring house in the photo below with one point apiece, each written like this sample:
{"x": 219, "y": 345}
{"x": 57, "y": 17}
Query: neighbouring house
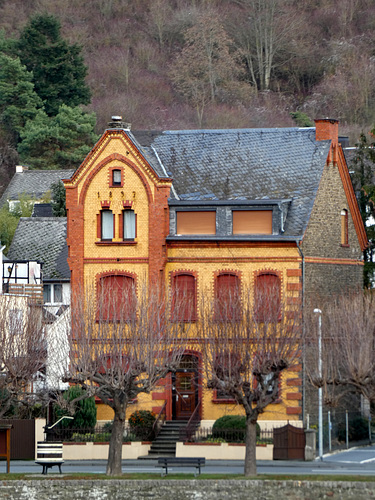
{"x": 43, "y": 239}
{"x": 198, "y": 209}
{"x": 32, "y": 183}
{"x": 39, "y": 252}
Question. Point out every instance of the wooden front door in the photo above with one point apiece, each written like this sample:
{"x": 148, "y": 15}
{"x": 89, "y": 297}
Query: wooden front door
{"x": 185, "y": 394}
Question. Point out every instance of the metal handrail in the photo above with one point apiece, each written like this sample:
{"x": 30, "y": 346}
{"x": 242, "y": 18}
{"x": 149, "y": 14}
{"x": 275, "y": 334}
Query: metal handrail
{"x": 156, "y": 428}
{"x": 189, "y": 429}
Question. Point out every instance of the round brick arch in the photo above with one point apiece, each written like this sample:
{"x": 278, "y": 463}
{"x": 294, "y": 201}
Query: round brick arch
{"x": 114, "y": 157}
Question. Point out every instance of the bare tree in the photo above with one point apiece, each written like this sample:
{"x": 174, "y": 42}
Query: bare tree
{"x": 265, "y": 28}
{"x": 206, "y": 64}
{"x": 22, "y": 354}
{"x": 122, "y": 343}
{"x": 249, "y": 342}
{"x": 347, "y": 347}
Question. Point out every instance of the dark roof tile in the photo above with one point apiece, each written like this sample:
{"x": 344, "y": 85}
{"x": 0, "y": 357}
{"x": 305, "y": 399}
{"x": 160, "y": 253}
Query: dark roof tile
{"x": 43, "y": 239}
{"x": 33, "y": 183}
{"x": 251, "y": 164}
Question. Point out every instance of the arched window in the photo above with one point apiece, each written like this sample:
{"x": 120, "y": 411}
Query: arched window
{"x": 184, "y": 298}
{"x": 344, "y": 228}
{"x": 227, "y": 297}
{"x": 267, "y": 298}
{"x": 116, "y": 298}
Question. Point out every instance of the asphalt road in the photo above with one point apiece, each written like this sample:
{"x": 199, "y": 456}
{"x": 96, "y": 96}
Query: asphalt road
{"x": 357, "y": 461}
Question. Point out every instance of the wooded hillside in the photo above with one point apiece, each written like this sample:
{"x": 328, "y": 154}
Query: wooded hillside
{"x": 219, "y": 63}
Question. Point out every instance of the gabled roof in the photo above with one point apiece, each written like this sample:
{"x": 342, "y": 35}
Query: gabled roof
{"x": 246, "y": 164}
{"x": 33, "y": 182}
{"x": 43, "y": 239}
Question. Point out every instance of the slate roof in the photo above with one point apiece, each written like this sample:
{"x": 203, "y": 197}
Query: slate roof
{"x": 43, "y": 239}
{"x": 33, "y": 182}
{"x": 143, "y": 141}
{"x": 246, "y": 164}
{"x": 42, "y": 210}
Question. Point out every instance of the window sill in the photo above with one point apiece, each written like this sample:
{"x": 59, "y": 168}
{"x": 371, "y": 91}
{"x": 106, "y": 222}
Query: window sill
{"x": 111, "y": 243}
{"x": 224, "y": 401}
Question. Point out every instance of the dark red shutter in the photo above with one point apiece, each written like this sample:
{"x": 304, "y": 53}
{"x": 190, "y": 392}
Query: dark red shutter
{"x": 116, "y": 298}
{"x": 184, "y": 303}
{"x": 99, "y": 225}
{"x": 227, "y": 305}
{"x": 267, "y": 298}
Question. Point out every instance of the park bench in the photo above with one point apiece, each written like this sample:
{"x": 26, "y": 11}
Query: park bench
{"x": 196, "y": 462}
{"x": 49, "y": 455}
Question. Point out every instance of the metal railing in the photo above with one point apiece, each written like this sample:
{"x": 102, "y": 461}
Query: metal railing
{"x": 160, "y": 419}
{"x": 191, "y": 426}
{"x": 229, "y": 435}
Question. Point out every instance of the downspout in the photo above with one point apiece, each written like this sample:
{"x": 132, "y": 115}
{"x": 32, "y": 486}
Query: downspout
{"x": 303, "y": 334}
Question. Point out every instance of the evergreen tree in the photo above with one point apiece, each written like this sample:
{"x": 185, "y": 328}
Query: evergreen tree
{"x": 84, "y": 409}
{"x": 58, "y": 199}
{"x": 363, "y": 163}
{"x": 58, "y": 68}
{"x": 18, "y": 100}
{"x": 61, "y": 141}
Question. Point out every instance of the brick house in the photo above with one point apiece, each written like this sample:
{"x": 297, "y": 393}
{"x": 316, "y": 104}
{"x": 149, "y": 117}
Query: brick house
{"x": 195, "y": 209}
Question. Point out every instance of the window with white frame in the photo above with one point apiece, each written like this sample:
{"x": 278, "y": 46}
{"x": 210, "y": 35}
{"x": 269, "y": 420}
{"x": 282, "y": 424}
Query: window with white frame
{"x": 129, "y": 220}
{"x": 53, "y": 293}
{"x": 106, "y": 225}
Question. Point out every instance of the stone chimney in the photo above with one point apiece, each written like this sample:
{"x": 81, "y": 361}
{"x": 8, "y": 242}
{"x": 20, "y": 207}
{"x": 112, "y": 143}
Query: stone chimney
{"x": 116, "y": 122}
{"x": 327, "y": 129}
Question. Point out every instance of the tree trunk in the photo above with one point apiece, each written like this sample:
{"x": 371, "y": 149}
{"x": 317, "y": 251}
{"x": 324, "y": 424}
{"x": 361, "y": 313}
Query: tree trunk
{"x": 251, "y": 443}
{"x": 115, "y": 445}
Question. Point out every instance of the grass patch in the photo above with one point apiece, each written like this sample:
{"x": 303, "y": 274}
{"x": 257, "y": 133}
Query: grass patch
{"x": 181, "y": 476}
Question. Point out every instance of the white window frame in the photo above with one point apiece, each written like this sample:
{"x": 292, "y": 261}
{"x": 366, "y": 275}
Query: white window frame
{"x": 129, "y": 224}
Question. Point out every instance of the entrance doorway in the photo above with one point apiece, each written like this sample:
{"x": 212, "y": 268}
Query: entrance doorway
{"x": 185, "y": 388}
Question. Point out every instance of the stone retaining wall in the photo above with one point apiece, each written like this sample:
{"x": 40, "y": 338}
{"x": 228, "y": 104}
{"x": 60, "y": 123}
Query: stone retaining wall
{"x": 184, "y": 490}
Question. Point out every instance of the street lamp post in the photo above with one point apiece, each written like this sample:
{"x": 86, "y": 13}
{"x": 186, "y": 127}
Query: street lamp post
{"x": 320, "y": 390}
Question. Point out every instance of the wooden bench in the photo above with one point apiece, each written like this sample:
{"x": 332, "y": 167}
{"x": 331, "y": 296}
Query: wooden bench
{"x": 49, "y": 455}
{"x": 196, "y": 462}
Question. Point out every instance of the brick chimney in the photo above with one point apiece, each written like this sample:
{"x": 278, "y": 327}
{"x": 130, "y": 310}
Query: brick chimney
{"x": 328, "y": 129}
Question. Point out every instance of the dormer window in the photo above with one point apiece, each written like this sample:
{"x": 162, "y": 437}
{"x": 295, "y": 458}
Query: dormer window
{"x": 252, "y": 221}
{"x": 196, "y": 222}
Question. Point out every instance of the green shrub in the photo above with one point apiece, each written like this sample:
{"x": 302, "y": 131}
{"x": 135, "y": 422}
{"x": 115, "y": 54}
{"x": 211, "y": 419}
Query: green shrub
{"x": 358, "y": 429}
{"x": 91, "y": 437}
{"x": 141, "y": 423}
{"x": 215, "y": 440}
{"x": 232, "y": 428}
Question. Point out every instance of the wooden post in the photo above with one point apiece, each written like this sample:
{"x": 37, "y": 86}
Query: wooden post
{"x": 5, "y": 444}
